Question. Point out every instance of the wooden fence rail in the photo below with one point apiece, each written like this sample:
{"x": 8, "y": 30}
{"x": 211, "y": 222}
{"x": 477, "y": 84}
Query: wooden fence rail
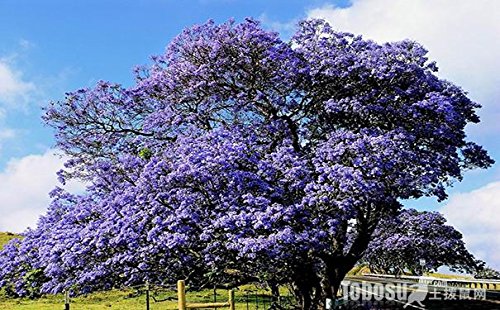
{"x": 184, "y": 305}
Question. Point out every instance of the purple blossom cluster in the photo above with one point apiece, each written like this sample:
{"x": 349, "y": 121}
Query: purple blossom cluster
{"x": 402, "y": 242}
{"x": 237, "y": 156}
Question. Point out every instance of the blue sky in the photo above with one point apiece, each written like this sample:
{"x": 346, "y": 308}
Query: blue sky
{"x": 64, "y": 45}
{"x": 49, "y": 47}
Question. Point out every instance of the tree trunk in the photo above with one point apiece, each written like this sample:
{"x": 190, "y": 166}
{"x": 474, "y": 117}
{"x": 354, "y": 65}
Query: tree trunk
{"x": 337, "y": 266}
{"x": 307, "y": 287}
{"x": 336, "y": 271}
{"x": 312, "y": 288}
{"x": 275, "y": 295}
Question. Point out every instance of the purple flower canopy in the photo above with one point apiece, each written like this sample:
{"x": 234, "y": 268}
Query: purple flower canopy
{"x": 238, "y": 151}
{"x": 400, "y": 243}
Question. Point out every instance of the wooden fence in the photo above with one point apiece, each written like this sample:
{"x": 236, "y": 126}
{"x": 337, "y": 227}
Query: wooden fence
{"x": 184, "y": 305}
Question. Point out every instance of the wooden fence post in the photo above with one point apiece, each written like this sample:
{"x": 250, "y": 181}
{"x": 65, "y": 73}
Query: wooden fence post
{"x": 147, "y": 295}
{"x": 181, "y": 294}
{"x": 66, "y": 300}
{"x": 231, "y": 300}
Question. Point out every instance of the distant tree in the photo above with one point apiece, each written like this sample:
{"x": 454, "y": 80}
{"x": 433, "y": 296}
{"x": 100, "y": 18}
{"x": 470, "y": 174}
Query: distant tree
{"x": 238, "y": 157}
{"x": 400, "y": 243}
{"x": 487, "y": 273}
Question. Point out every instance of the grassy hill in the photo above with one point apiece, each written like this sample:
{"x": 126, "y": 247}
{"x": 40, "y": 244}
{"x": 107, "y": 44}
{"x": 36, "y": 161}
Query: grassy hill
{"x": 6, "y": 237}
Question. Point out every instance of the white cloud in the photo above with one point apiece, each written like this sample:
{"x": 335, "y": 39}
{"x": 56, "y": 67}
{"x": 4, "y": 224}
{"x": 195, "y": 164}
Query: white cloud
{"x": 475, "y": 214}
{"x": 7, "y": 133}
{"x": 26, "y": 183}
{"x": 286, "y": 29}
{"x": 13, "y": 89}
{"x": 26, "y": 44}
{"x": 463, "y": 36}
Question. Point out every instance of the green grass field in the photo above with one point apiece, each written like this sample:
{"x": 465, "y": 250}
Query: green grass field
{"x": 6, "y": 237}
{"x": 448, "y": 276}
{"x": 107, "y": 300}
{"x": 128, "y": 300}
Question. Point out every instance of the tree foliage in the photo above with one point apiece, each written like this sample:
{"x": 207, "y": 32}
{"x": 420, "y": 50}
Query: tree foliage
{"x": 238, "y": 151}
{"x": 487, "y": 273}
{"x": 400, "y": 243}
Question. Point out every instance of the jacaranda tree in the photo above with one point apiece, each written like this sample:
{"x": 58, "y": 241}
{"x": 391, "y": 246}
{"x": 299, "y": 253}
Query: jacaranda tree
{"x": 416, "y": 242}
{"x": 238, "y": 157}
{"x": 487, "y": 273}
